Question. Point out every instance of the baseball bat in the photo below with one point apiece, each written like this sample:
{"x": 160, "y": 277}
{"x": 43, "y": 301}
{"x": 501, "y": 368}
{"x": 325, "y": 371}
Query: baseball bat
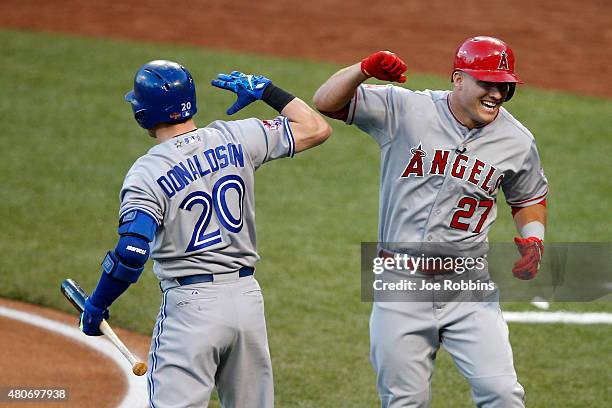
{"x": 77, "y": 296}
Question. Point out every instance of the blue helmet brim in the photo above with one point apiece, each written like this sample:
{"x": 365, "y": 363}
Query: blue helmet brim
{"x": 129, "y": 97}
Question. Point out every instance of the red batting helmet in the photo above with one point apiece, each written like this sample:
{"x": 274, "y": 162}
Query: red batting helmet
{"x": 487, "y": 59}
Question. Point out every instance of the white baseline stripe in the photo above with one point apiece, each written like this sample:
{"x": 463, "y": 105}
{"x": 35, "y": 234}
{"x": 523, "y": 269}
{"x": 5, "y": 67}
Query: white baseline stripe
{"x": 136, "y": 395}
{"x": 558, "y": 317}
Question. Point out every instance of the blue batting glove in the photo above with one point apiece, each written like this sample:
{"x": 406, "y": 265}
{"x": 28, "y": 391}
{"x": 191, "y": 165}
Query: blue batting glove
{"x": 249, "y": 88}
{"x": 91, "y": 318}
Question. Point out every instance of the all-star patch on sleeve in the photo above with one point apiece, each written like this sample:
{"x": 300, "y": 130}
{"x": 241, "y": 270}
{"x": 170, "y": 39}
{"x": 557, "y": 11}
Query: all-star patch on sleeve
{"x": 264, "y": 140}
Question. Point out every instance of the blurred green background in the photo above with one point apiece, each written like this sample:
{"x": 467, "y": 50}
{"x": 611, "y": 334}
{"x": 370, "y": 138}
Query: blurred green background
{"x": 69, "y": 139}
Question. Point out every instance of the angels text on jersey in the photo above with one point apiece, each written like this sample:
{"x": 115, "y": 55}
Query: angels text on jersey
{"x": 478, "y": 173}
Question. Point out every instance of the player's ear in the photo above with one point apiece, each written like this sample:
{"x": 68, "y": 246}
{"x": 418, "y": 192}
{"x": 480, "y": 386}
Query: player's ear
{"x": 457, "y": 79}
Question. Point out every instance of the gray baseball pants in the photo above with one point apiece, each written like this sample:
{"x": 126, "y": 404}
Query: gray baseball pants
{"x": 211, "y": 335}
{"x": 405, "y": 337}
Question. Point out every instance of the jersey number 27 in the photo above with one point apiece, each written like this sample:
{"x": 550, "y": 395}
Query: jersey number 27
{"x": 467, "y": 206}
{"x": 217, "y": 203}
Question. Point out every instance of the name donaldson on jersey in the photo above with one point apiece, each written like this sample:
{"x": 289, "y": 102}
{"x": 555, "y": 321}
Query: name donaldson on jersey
{"x": 212, "y": 160}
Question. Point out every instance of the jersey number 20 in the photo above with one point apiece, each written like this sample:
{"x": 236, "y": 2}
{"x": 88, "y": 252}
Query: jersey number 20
{"x": 217, "y": 203}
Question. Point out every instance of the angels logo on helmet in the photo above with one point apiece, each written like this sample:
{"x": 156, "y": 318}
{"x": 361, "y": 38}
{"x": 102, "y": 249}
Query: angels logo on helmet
{"x": 503, "y": 62}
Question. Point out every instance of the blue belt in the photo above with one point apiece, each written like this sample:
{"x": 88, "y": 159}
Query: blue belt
{"x": 209, "y": 277}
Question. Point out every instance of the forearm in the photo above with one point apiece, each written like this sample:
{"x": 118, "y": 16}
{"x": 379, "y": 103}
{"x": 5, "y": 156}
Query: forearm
{"x": 308, "y": 127}
{"x": 107, "y": 291}
{"x": 338, "y": 90}
{"x": 532, "y": 214}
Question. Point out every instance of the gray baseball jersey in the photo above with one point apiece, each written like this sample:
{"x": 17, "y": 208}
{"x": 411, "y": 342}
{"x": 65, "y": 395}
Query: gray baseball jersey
{"x": 200, "y": 189}
{"x": 199, "y": 186}
{"x": 439, "y": 179}
{"x": 439, "y": 183}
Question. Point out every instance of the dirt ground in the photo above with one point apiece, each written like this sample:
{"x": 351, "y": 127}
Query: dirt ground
{"x": 33, "y": 357}
{"x": 559, "y": 44}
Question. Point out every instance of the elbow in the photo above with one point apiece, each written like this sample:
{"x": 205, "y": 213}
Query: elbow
{"x": 321, "y": 131}
{"x": 320, "y": 102}
{"x": 330, "y": 110}
{"x": 327, "y": 131}
{"x": 311, "y": 128}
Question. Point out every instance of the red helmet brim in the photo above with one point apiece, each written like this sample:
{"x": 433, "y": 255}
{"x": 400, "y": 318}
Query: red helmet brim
{"x": 492, "y": 76}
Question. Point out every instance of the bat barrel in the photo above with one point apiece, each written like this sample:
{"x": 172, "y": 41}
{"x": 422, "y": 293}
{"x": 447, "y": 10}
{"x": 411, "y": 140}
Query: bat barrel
{"x": 74, "y": 293}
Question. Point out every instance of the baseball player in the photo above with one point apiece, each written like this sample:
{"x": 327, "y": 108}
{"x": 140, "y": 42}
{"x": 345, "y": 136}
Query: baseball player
{"x": 189, "y": 205}
{"x": 444, "y": 157}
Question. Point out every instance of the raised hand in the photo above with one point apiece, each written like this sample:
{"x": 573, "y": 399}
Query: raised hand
{"x": 248, "y": 88}
{"x": 384, "y": 65}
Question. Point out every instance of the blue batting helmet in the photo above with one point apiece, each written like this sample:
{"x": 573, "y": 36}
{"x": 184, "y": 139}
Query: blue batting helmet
{"x": 164, "y": 92}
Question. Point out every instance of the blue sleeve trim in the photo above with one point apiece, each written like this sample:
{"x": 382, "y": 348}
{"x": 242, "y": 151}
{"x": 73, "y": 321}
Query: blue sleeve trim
{"x": 138, "y": 222}
{"x": 144, "y": 210}
{"x": 290, "y": 138}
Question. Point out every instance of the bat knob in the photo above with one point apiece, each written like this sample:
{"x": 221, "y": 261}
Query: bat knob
{"x": 139, "y": 368}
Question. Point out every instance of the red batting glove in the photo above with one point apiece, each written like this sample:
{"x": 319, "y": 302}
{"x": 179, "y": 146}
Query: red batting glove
{"x": 384, "y": 65}
{"x": 532, "y": 250}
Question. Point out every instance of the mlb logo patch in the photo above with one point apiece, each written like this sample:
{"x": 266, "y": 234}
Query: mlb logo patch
{"x": 272, "y": 124}
{"x": 191, "y": 139}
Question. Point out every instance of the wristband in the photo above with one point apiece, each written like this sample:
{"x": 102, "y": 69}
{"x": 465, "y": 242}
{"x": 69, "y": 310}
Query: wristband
{"x": 276, "y": 97}
{"x": 533, "y": 229}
